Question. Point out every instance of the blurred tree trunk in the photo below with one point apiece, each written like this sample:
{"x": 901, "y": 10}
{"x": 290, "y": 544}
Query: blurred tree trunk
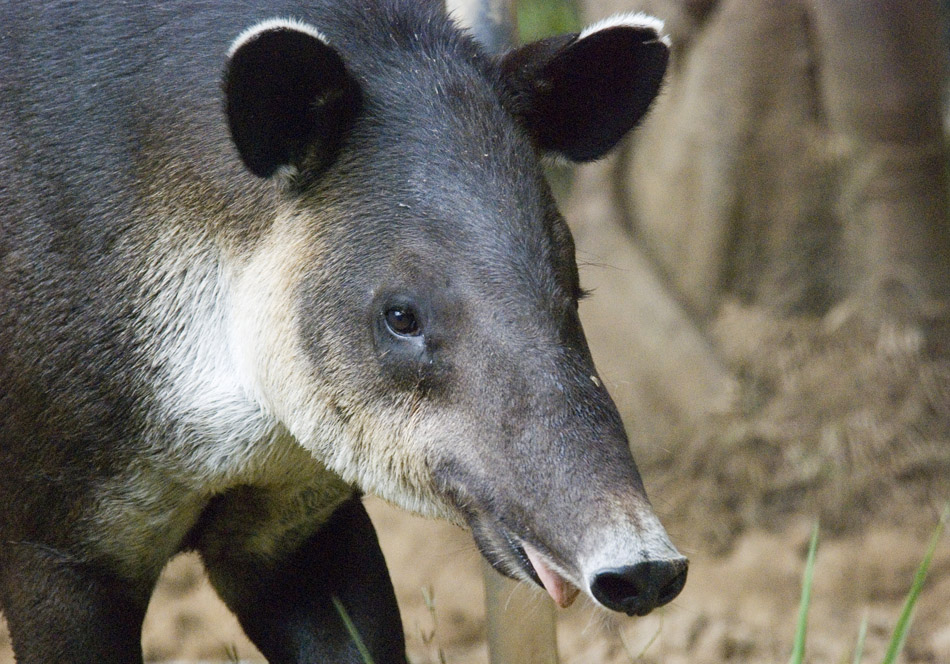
{"x": 882, "y": 68}
{"x": 796, "y": 158}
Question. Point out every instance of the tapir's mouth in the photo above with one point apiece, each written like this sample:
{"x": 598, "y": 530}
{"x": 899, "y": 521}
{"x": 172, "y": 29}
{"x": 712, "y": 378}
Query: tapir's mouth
{"x": 562, "y": 591}
{"x": 521, "y": 556}
{"x": 511, "y": 554}
{"x": 528, "y": 560}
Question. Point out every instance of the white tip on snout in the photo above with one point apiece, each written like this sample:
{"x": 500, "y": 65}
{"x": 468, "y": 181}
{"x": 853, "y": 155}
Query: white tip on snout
{"x": 626, "y": 544}
{"x": 251, "y": 33}
{"x": 629, "y": 20}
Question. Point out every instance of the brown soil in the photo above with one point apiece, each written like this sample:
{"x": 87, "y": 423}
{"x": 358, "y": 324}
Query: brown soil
{"x": 738, "y": 607}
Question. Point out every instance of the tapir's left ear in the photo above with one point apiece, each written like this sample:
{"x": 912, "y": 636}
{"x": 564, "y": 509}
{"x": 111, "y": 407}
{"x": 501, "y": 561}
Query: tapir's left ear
{"x": 288, "y": 97}
{"x": 577, "y": 95}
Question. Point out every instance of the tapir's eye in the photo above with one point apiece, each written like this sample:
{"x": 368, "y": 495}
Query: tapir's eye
{"x": 402, "y": 321}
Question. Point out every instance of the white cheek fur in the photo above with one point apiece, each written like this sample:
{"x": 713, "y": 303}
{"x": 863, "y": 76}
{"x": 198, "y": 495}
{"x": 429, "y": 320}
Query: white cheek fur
{"x": 237, "y": 401}
{"x": 205, "y": 393}
{"x": 206, "y": 429}
{"x": 374, "y": 448}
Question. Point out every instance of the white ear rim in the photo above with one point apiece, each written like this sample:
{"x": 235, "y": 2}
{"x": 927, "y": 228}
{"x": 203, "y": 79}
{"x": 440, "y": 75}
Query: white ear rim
{"x": 251, "y": 33}
{"x": 629, "y": 20}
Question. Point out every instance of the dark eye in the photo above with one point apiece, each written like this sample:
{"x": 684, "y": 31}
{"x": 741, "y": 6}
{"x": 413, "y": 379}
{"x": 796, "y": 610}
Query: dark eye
{"x": 402, "y": 321}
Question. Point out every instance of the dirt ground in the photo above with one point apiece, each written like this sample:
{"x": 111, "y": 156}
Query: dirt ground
{"x": 738, "y": 607}
{"x": 838, "y": 419}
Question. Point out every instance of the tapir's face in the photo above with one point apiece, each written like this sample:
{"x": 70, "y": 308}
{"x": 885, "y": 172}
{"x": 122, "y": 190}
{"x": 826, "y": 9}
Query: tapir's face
{"x": 420, "y": 334}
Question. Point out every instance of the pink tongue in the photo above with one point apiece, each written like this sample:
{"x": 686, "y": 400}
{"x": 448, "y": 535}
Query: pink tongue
{"x": 560, "y": 590}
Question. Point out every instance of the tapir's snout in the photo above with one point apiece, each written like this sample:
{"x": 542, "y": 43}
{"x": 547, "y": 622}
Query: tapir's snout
{"x": 639, "y": 588}
{"x": 636, "y": 578}
{"x": 552, "y": 494}
{"x": 625, "y": 563}
{"x": 630, "y": 564}
{"x": 640, "y": 583}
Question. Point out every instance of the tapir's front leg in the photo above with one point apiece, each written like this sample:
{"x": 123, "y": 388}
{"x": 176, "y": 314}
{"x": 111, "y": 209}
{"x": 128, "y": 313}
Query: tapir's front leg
{"x": 285, "y": 604}
{"x": 60, "y": 609}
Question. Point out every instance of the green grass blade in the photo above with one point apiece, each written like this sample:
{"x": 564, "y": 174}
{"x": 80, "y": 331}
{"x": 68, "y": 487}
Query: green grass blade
{"x": 798, "y": 648}
{"x": 859, "y": 646}
{"x": 903, "y": 623}
{"x": 351, "y": 628}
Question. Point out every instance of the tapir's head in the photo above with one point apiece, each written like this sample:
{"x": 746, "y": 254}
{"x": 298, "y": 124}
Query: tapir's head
{"x": 411, "y": 314}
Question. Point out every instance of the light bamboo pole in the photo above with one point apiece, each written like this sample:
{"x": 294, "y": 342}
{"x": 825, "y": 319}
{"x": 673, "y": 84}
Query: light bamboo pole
{"x": 520, "y": 626}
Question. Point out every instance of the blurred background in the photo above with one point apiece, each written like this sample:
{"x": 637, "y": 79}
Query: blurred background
{"x": 769, "y": 260}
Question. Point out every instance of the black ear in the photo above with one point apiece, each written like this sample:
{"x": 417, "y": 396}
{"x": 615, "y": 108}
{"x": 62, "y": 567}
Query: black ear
{"x": 579, "y": 94}
{"x": 288, "y": 97}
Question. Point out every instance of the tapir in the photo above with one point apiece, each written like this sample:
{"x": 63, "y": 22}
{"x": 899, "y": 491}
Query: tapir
{"x": 260, "y": 258}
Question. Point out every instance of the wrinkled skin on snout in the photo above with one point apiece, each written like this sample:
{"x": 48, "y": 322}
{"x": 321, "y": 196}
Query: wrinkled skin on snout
{"x": 444, "y": 364}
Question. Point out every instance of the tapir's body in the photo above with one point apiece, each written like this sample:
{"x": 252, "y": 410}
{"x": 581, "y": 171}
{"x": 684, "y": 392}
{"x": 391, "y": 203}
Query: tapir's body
{"x": 216, "y": 327}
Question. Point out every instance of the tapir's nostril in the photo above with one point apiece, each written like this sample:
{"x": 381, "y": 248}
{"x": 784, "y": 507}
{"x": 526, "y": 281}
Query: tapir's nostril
{"x": 638, "y": 589}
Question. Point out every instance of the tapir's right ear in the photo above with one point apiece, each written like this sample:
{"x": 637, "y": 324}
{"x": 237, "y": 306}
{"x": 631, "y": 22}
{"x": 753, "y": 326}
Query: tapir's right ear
{"x": 288, "y": 97}
{"x": 577, "y": 95}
